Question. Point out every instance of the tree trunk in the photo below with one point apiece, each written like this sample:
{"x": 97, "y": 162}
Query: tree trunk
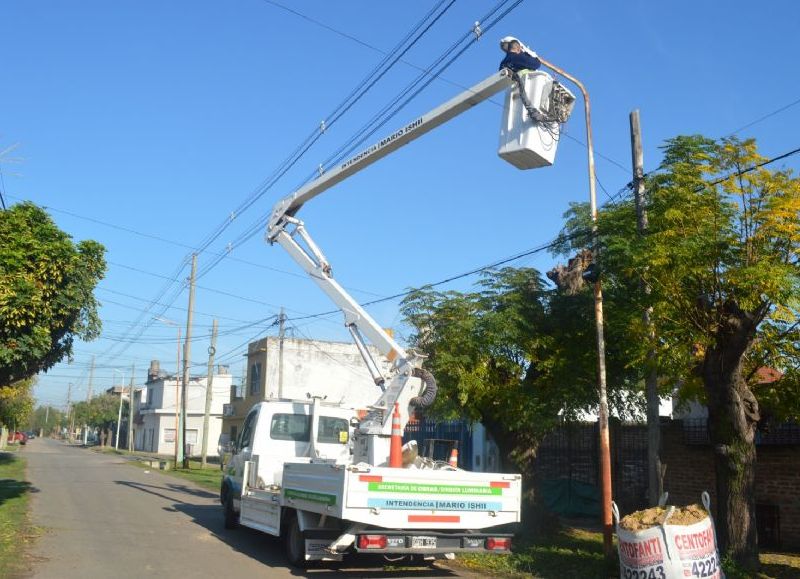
{"x": 732, "y": 418}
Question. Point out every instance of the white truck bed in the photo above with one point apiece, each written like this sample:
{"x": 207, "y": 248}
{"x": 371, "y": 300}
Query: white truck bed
{"x": 400, "y": 498}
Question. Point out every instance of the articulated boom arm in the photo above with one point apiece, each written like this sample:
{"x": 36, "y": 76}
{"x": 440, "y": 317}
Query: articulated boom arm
{"x": 290, "y": 204}
{"x": 283, "y": 228}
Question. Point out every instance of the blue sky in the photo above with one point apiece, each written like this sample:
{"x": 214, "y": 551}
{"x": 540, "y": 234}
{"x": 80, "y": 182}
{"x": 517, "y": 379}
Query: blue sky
{"x": 144, "y": 124}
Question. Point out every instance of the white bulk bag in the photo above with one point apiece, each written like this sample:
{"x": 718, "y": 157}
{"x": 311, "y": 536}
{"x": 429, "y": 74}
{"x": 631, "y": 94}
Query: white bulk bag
{"x": 669, "y": 551}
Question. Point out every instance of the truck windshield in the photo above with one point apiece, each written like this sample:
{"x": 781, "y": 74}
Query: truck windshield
{"x": 297, "y": 427}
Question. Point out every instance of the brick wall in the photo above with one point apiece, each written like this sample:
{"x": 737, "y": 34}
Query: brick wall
{"x": 690, "y": 471}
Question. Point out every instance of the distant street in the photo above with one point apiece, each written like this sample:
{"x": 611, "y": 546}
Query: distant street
{"x": 103, "y": 518}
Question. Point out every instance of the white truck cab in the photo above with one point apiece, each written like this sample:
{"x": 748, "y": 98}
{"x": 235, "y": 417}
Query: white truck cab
{"x": 278, "y": 432}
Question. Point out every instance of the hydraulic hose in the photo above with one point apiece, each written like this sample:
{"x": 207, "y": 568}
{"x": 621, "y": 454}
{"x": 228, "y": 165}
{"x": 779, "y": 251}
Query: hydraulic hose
{"x": 429, "y": 393}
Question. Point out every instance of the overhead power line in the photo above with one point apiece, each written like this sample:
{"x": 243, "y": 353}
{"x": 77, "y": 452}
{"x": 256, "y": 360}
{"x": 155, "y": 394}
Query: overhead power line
{"x": 765, "y": 117}
{"x": 405, "y": 44}
{"x": 395, "y": 105}
{"x": 409, "y": 40}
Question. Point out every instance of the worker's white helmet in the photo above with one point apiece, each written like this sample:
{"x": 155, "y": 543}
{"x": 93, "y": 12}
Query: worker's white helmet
{"x": 505, "y": 42}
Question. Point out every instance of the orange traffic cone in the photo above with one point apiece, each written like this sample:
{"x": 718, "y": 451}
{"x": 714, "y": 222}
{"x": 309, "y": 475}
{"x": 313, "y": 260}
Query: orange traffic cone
{"x": 396, "y": 445}
{"x": 453, "y": 458}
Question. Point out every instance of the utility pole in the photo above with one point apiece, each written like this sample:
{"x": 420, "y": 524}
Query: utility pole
{"x": 187, "y": 349}
{"x": 130, "y": 408}
{"x": 91, "y": 378}
{"x": 69, "y": 411}
{"x": 178, "y": 451}
{"x": 654, "y": 478}
{"x": 119, "y": 413}
{"x": 602, "y": 408}
{"x": 281, "y": 334}
{"x": 212, "y": 349}
{"x": 88, "y": 398}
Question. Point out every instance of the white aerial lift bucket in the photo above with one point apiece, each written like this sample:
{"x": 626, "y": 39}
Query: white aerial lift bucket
{"x": 526, "y": 142}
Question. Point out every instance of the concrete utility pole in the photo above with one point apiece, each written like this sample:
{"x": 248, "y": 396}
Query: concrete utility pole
{"x": 91, "y": 377}
{"x": 281, "y": 334}
{"x": 130, "y": 408}
{"x": 655, "y": 480}
{"x": 69, "y": 410}
{"x": 119, "y": 413}
{"x": 602, "y": 413}
{"x": 212, "y": 349}
{"x": 178, "y": 450}
{"x": 187, "y": 349}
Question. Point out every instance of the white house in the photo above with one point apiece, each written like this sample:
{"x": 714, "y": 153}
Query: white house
{"x": 155, "y": 404}
{"x": 293, "y": 369}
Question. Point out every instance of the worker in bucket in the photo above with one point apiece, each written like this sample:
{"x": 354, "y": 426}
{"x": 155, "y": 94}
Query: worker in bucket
{"x": 518, "y": 57}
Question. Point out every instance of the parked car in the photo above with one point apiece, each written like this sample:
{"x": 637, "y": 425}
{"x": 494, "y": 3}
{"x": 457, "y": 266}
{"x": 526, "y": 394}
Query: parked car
{"x": 18, "y": 437}
{"x": 30, "y": 434}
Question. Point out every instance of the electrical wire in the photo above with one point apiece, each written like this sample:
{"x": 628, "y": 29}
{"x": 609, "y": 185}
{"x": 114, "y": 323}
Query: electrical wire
{"x": 282, "y": 169}
{"x": 765, "y": 117}
{"x": 432, "y": 72}
{"x": 408, "y": 41}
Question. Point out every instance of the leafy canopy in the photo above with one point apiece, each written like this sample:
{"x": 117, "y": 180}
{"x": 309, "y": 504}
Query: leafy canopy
{"x": 46, "y": 285}
{"x": 512, "y": 354}
{"x": 100, "y": 412}
{"x": 16, "y": 403}
{"x": 723, "y": 242}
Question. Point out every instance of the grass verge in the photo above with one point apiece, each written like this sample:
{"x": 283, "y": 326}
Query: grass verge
{"x": 209, "y": 477}
{"x": 578, "y": 553}
{"x": 15, "y": 528}
{"x": 570, "y": 552}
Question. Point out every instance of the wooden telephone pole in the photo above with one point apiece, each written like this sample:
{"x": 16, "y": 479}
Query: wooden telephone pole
{"x": 654, "y": 475}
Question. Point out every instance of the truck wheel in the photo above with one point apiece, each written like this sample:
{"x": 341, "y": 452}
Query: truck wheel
{"x": 295, "y": 542}
{"x": 231, "y": 516}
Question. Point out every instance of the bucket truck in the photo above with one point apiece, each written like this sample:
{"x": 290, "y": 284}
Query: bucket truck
{"x": 317, "y": 474}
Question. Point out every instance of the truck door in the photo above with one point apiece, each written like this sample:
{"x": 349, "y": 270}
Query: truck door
{"x": 244, "y": 450}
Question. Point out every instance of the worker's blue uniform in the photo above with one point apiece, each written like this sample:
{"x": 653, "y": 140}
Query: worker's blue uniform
{"x": 517, "y": 61}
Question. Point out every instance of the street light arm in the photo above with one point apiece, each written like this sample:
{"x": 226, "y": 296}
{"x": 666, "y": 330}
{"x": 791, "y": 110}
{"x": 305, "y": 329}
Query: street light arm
{"x": 602, "y": 418}
{"x": 587, "y": 109}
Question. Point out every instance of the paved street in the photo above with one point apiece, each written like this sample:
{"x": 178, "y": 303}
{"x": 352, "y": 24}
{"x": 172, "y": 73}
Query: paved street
{"x": 103, "y": 518}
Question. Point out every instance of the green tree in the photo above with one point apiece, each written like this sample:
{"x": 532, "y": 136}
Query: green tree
{"x": 721, "y": 261}
{"x": 514, "y": 355}
{"x": 46, "y": 299}
{"x": 99, "y": 412}
{"x": 16, "y": 404}
{"x": 47, "y": 419}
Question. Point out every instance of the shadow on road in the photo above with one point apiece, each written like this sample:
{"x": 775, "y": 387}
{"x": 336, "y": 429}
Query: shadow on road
{"x": 266, "y": 549}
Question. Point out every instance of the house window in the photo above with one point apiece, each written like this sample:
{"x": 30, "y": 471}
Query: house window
{"x": 233, "y": 432}
{"x": 169, "y": 435}
{"x": 191, "y": 436}
{"x": 255, "y": 378}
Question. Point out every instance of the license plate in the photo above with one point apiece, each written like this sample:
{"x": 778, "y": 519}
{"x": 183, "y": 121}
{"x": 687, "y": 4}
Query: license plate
{"x": 423, "y": 542}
